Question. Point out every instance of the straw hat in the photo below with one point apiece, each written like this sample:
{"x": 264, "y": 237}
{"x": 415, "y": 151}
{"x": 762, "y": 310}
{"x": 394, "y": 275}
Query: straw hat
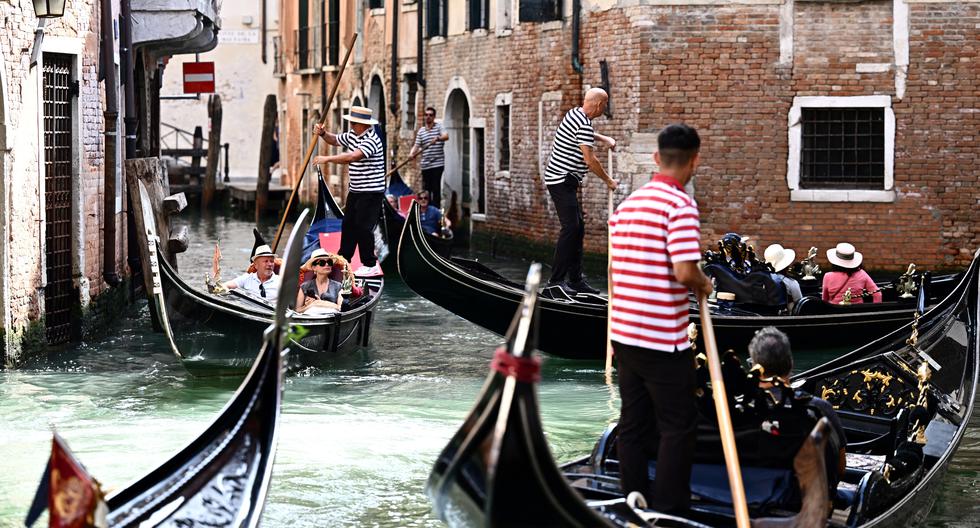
{"x": 318, "y": 253}
{"x": 361, "y": 114}
{"x": 779, "y": 257}
{"x": 262, "y": 251}
{"x": 845, "y": 256}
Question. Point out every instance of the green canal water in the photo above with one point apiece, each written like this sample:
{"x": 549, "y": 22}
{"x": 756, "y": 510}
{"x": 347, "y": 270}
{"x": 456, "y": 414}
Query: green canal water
{"x": 357, "y": 439}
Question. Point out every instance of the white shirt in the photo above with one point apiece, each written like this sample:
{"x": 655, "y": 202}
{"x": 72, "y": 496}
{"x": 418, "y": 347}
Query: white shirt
{"x": 250, "y": 282}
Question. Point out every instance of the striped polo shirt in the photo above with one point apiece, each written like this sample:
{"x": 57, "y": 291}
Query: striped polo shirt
{"x": 655, "y": 227}
{"x": 566, "y": 156}
{"x": 368, "y": 173}
{"x": 434, "y": 156}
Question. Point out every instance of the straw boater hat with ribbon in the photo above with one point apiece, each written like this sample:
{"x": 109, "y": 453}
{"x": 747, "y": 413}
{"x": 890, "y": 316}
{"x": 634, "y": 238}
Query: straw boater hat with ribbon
{"x": 262, "y": 251}
{"x": 779, "y": 257}
{"x": 362, "y": 115}
{"x": 845, "y": 256}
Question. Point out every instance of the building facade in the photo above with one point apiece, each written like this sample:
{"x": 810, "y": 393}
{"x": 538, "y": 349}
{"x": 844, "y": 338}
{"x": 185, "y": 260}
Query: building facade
{"x": 821, "y": 121}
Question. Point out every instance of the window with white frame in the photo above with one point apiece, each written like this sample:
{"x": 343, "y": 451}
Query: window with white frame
{"x": 502, "y": 129}
{"x": 841, "y": 149}
{"x": 410, "y": 88}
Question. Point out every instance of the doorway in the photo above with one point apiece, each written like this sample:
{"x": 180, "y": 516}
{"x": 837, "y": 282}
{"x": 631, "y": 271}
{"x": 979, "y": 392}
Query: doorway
{"x": 456, "y": 178}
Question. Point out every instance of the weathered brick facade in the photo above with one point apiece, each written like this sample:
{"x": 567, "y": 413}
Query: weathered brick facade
{"x": 735, "y": 71}
{"x": 21, "y": 147}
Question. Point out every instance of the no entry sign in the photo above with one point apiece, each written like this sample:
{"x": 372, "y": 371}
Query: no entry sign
{"x": 198, "y": 77}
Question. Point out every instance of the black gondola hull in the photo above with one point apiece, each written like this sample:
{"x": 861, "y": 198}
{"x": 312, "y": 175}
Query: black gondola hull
{"x": 394, "y": 224}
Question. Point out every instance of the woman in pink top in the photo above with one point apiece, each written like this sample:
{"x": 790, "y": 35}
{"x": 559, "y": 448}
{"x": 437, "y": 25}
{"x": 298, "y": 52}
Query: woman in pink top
{"x": 847, "y": 273}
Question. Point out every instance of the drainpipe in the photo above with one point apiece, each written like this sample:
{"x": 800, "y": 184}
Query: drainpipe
{"x": 111, "y": 115}
{"x": 419, "y": 43}
{"x": 393, "y": 91}
{"x": 576, "y": 29}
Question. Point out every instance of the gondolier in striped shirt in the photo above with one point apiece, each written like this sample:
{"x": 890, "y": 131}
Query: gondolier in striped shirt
{"x": 655, "y": 248}
{"x": 572, "y": 155}
{"x": 366, "y": 171}
{"x": 433, "y": 157}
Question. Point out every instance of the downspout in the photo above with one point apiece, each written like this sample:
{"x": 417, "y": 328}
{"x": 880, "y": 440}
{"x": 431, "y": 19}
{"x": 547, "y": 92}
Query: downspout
{"x": 576, "y": 29}
{"x": 111, "y": 115}
{"x": 420, "y": 68}
{"x": 127, "y": 65}
{"x": 393, "y": 91}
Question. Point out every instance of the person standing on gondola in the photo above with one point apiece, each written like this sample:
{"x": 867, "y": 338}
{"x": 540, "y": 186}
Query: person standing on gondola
{"x": 572, "y": 155}
{"x": 365, "y": 159}
{"x": 433, "y": 157}
{"x": 655, "y": 248}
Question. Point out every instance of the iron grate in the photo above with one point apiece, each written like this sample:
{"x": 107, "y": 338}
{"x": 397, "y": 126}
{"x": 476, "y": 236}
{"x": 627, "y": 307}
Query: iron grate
{"x": 843, "y": 148}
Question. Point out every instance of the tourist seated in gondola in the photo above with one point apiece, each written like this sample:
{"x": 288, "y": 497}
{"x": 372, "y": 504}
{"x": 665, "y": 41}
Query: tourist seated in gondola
{"x": 772, "y": 360}
{"x": 847, "y": 275}
{"x": 263, "y": 282}
{"x": 320, "y": 295}
{"x": 781, "y": 258}
{"x": 431, "y": 217}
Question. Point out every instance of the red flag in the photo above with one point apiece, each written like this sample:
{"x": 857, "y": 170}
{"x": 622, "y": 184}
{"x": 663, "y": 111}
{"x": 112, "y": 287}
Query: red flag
{"x": 74, "y": 495}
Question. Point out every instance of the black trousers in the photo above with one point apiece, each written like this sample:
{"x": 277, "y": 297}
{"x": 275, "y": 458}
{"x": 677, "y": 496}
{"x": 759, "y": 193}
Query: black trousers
{"x": 357, "y": 228}
{"x": 568, "y": 251}
{"x": 432, "y": 182}
{"x": 658, "y": 419}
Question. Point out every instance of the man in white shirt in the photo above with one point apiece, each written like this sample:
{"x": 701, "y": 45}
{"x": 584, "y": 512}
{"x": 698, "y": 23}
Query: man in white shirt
{"x": 263, "y": 282}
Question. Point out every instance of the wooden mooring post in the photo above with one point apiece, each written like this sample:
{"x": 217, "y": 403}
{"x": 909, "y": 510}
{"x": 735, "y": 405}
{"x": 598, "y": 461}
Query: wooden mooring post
{"x": 265, "y": 156}
{"x": 214, "y": 151}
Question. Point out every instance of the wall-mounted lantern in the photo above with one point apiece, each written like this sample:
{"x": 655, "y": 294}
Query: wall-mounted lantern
{"x": 49, "y": 8}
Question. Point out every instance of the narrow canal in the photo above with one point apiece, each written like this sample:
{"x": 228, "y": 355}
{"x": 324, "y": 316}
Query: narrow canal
{"x": 358, "y": 438}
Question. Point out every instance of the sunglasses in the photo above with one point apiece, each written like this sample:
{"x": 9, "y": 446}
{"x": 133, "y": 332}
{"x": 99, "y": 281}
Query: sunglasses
{"x": 422, "y": 199}
{"x": 430, "y": 115}
{"x": 327, "y": 262}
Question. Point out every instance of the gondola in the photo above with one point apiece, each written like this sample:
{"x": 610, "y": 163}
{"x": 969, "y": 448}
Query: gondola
{"x": 574, "y": 327}
{"x": 905, "y": 400}
{"x": 394, "y": 224}
{"x": 223, "y": 476}
{"x": 213, "y": 331}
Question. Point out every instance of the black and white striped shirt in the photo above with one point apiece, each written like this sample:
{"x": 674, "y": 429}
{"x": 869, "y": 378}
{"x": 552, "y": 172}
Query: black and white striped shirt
{"x": 368, "y": 173}
{"x": 566, "y": 156}
{"x": 434, "y": 156}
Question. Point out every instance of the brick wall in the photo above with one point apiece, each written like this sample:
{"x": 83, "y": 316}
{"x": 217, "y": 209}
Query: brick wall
{"x": 720, "y": 68}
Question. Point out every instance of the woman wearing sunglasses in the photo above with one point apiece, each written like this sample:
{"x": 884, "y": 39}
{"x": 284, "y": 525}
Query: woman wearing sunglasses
{"x": 321, "y": 294}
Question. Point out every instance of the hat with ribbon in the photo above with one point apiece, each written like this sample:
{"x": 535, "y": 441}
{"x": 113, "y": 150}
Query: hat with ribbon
{"x": 845, "y": 256}
{"x": 319, "y": 254}
{"x": 779, "y": 257}
{"x": 262, "y": 251}
{"x": 362, "y": 115}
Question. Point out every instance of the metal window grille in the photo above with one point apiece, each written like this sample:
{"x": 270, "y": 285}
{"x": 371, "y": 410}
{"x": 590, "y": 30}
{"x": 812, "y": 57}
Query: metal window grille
{"x": 842, "y": 148}
{"x": 278, "y": 67}
{"x": 539, "y": 10}
{"x": 310, "y": 47}
{"x": 503, "y": 137}
{"x": 411, "y": 90}
{"x": 481, "y": 178}
{"x": 479, "y": 14}
{"x": 58, "y": 139}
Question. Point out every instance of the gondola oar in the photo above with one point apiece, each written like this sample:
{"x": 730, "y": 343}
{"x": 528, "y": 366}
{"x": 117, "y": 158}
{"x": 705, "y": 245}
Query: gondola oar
{"x": 410, "y": 158}
{"x": 609, "y": 280}
{"x": 313, "y": 144}
{"x": 724, "y": 417}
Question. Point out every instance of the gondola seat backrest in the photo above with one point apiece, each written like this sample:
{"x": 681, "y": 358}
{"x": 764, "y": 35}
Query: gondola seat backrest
{"x": 757, "y": 287}
{"x": 813, "y": 305}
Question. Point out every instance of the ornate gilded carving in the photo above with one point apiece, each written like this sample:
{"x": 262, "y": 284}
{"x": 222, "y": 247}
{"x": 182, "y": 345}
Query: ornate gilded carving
{"x": 874, "y": 390}
{"x": 906, "y": 285}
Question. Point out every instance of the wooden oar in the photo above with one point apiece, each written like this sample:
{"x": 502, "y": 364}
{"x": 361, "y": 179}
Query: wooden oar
{"x": 609, "y": 281}
{"x": 724, "y": 417}
{"x": 410, "y": 158}
{"x": 313, "y": 144}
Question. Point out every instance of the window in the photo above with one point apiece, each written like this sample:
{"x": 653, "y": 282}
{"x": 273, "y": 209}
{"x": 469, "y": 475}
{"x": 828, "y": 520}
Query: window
{"x": 410, "y": 88}
{"x": 481, "y": 178}
{"x": 479, "y": 15}
{"x": 376, "y": 4}
{"x": 437, "y": 18}
{"x": 841, "y": 149}
{"x": 333, "y": 34}
{"x": 503, "y": 136}
{"x": 303, "y": 36}
{"x": 539, "y": 10}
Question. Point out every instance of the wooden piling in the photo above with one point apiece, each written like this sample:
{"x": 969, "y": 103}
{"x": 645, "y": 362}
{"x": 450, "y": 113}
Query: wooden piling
{"x": 193, "y": 176}
{"x": 265, "y": 156}
{"x": 214, "y": 151}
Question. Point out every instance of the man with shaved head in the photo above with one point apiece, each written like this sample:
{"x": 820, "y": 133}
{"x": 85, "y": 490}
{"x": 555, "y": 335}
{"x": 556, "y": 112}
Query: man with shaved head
{"x": 572, "y": 155}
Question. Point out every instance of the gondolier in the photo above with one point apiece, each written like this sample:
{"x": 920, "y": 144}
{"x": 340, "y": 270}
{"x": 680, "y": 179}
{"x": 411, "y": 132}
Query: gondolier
{"x": 655, "y": 246}
{"x": 434, "y": 156}
{"x": 365, "y": 158}
{"x": 572, "y": 155}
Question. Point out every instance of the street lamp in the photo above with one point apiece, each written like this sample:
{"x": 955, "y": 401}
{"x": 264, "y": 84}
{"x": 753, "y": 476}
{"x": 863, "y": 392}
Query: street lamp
{"x": 49, "y": 8}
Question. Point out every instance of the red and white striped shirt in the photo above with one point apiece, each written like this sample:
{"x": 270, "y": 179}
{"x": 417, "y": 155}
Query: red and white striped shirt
{"x": 655, "y": 227}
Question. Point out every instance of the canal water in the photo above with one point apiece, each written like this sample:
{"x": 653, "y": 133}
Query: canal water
{"x": 357, "y": 438}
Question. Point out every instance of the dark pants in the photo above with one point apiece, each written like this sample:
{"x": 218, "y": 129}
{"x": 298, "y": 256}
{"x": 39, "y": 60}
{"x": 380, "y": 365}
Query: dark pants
{"x": 658, "y": 419}
{"x": 357, "y": 229}
{"x": 568, "y": 251}
{"x": 432, "y": 182}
